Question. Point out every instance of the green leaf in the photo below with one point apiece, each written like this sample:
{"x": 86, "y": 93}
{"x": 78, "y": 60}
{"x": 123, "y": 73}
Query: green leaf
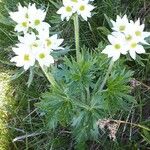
{"x": 104, "y": 30}
{"x": 31, "y": 76}
{"x": 55, "y": 4}
{"x": 108, "y": 20}
{"x": 18, "y": 74}
{"x": 146, "y": 136}
{"x": 6, "y": 21}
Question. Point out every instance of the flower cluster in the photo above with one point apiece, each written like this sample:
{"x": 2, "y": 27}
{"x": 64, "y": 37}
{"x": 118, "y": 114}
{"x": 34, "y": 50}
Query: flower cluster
{"x": 35, "y": 44}
{"x": 127, "y": 36}
{"x": 81, "y": 7}
{"x": 29, "y": 17}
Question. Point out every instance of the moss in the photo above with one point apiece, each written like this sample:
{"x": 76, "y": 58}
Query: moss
{"x": 5, "y": 100}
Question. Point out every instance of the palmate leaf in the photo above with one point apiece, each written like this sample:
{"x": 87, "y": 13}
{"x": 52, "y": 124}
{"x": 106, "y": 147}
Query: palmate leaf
{"x": 80, "y": 71}
{"x": 85, "y": 120}
{"x": 117, "y": 92}
{"x": 57, "y": 107}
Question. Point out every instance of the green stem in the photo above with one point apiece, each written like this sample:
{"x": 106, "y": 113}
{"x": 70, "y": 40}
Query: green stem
{"x": 49, "y": 76}
{"x": 76, "y": 28}
{"x": 107, "y": 75}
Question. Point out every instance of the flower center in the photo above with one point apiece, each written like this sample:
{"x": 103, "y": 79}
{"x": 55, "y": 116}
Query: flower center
{"x": 122, "y": 28}
{"x": 82, "y": 8}
{"x": 138, "y": 33}
{"x": 24, "y": 24}
{"x": 117, "y": 46}
{"x": 42, "y": 56}
{"x": 34, "y": 45}
{"x": 26, "y": 57}
{"x": 37, "y": 22}
{"x": 69, "y": 9}
{"x": 128, "y": 37}
{"x": 48, "y": 42}
{"x": 75, "y": 1}
{"x": 133, "y": 45}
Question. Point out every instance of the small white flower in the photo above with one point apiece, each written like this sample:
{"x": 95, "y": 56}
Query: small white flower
{"x": 135, "y": 48}
{"x": 30, "y": 41}
{"x": 36, "y": 17}
{"x": 44, "y": 28}
{"x": 66, "y": 11}
{"x": 121, "y": 24}
{"x": 23, "y": 58}
{"x": 21, "y": 17}
{"x": 27, "y": 39}
{"x": 84, "y": 9}
{"x": 137, "y": 31}
{"x": 117, "y": 46}
{"x": 44, "y": 58}
{"x": 29, "y": 17}
{"x": 51, "y": 43}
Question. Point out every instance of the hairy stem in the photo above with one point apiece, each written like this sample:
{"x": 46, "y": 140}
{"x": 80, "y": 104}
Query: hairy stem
{"x": 49, "y": 76}
{"x": 97, "y": 86}
{"x": 107, "y": 75}
{"x": 76, "y": 28}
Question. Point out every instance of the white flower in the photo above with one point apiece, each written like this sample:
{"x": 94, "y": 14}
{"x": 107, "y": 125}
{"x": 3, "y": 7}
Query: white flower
{"x": 44, "y": 28}
{"x": 135, "y": 48}
{"x": 128, "y": 37}
{"x": 84, "y": 9}
{"x": 117, "y": 46}
{"x": 27, "y": 39}
{"x": 121, "y": 24}
{"x": 29, "y": 17}
{"x": 23, "y": 58}
{"x": 51, "y": 43}
{"x": 21, "y": 17}
{"x": 66, "y": 11}
{"x": 44, "y": 58}
{"x": 36, "y": 17}
{"x": 30, "y": 41}
{"x": 137, "y": 31}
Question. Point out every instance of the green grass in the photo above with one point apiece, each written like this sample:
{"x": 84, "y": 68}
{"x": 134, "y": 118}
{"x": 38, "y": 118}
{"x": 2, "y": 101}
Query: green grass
{"x": 19, "y": 118}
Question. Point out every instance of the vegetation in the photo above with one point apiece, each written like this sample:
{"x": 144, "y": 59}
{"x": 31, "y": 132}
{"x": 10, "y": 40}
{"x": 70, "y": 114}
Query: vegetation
{"x": 38, "y": 117}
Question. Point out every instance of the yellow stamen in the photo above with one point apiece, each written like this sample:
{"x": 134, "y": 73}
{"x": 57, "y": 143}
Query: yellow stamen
{"x": 117, "y": 46}
{"x": 138, "y": 33}
{"x": 42, "y": 56}
{"x": 24, "y": 24}
{"x": 68, "y": 9}
{"x": 37, "y": 22}
{"x": 48, "y": 42}
{"x": 34, "y": 45}
{"x": 26, "y": 57}
{"x": 133, "y": 45}
{"x": 82, "y": 8}
{"x": 128, "y": 37}
{"x": 75, "y": 1}
{"x": 122, "y": 28}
